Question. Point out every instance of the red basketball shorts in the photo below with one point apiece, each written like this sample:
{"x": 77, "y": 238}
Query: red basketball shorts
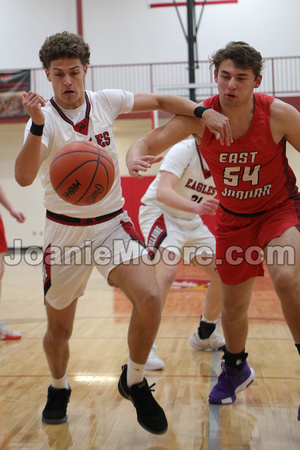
{"x": 241, "y": 240}
{"x": 3, "y": 243}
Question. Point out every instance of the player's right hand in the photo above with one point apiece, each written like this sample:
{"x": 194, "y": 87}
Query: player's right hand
{"x": 32, "y": 103}
{"x": 142, "y": 163}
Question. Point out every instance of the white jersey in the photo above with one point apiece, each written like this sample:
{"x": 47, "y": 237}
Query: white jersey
{"x": 195, "y": 181}
{"x": 91, "y": 121}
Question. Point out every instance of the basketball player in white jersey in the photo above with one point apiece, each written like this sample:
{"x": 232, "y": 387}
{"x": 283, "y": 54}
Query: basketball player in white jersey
{"x": 170, "y": 220}
{"x": 103, "y": 229}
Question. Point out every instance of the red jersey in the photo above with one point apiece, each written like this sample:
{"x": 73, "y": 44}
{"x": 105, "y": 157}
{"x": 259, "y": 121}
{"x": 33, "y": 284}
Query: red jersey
{"x": 252, "y": 174}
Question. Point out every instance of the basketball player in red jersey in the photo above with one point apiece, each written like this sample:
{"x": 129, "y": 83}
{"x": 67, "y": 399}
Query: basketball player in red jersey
{"x": 74, "y": 114}
{"x": 5, "y": 333}
{"x": 259, "y": 207}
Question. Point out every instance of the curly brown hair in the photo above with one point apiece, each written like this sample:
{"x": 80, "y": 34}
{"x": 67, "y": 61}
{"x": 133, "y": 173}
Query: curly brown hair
{"x": 64, "y": 45}
{"x": 242, "y": 54}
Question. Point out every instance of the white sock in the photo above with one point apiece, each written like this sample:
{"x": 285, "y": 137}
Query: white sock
{"x": 203, "y": 319}
{"x": 135, "y": 372}
{"x": 60, "y": 383}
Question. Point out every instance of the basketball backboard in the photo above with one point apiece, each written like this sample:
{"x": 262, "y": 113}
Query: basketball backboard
{"x": 163, "y": 3}
{"x": 192, "y": 28}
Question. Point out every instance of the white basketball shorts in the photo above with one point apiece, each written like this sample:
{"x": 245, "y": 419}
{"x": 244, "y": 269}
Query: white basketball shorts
{"x": 187, "y": 238}
{"x": 71, "y": 252}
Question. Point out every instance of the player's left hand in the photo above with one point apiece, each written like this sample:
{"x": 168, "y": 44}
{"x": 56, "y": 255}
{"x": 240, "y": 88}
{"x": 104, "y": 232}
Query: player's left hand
{"x": 142, "y": 163}
{"x": 207, "y": 206}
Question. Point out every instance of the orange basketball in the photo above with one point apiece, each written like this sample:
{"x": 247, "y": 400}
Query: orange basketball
{"x": 82, "y": 173}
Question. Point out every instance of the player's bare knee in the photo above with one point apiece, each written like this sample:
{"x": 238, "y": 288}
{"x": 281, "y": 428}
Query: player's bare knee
{"x": 170, "y": 275}
{"x": 150, "y": 303}
{"x": 285, "y": 282}
{"x": 234, "y": 309}
{"x": 58, "y": 334}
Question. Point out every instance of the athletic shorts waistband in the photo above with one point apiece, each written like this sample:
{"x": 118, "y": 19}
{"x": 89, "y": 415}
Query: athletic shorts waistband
{"x": 258, "y": 213}
{"x": 79, "y": 222}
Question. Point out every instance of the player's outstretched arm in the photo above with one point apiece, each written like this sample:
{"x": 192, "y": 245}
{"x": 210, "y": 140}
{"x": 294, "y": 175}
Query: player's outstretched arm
{"x": 172, "y": 104}
{"x": 217, "y": 123}
{"x": 175, "y": 130}
{"x": 159, "y": 140}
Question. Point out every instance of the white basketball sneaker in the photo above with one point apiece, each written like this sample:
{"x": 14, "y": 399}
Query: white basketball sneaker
{"x": 8, "y": 335}
{"x": 214, "y": 342}
{"x": 153, "y": 361}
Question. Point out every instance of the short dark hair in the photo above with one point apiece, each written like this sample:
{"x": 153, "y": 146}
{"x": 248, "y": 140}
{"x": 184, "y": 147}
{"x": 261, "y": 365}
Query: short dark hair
{"x": 242, "y": 54}
{"x": 64, "y": 45}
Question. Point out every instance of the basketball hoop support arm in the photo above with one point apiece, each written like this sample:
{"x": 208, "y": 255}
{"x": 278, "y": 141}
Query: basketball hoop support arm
{"x": 191, "y": 37}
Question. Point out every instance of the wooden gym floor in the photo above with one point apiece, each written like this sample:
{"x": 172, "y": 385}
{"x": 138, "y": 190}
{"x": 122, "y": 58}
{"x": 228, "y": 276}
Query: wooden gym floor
{"x": 263, "y": 417}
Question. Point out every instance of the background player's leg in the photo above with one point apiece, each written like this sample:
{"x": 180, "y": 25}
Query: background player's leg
{"x": 206, "y": 337}
{"x": 5, "y": 333}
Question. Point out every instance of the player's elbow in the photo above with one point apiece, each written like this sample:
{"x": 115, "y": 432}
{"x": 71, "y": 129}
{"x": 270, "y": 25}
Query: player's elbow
{"x": 159, "y": 195}
{"x": 22, "y": 179}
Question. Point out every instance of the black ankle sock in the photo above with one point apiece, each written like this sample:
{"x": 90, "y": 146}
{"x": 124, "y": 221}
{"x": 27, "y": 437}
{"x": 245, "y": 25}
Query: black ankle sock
{"x": 206, "y": 329}
{"x": 236, "y": 360}
{"x": 297, "y": 344}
